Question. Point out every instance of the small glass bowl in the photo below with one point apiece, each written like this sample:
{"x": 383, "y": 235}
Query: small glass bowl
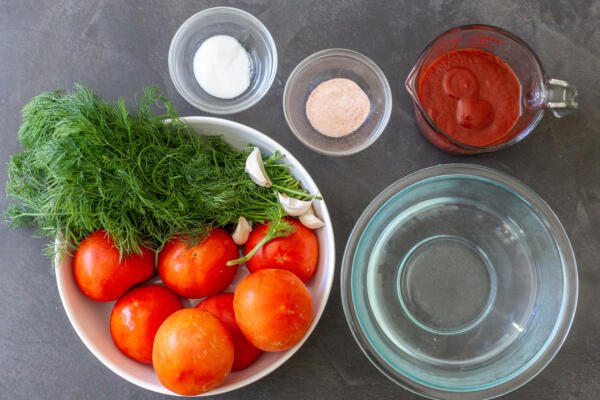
{"x": 244, "y": 27}
{"x": 459, "y": 282}
{"x": 329, "y": 64}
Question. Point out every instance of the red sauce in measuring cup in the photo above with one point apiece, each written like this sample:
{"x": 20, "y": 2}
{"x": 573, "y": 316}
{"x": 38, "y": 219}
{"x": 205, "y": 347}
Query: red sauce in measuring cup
{"x": 472, "y": 96}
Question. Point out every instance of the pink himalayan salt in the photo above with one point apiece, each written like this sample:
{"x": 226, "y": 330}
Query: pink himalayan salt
{"x": 337, "y": 107}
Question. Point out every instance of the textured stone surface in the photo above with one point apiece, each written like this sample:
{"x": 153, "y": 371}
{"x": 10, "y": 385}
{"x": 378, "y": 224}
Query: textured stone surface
{"x": 118, "y": 46}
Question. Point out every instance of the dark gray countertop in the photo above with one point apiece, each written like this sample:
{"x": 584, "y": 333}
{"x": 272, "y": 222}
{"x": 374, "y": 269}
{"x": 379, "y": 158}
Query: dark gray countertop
{"x": 117, "y": 46}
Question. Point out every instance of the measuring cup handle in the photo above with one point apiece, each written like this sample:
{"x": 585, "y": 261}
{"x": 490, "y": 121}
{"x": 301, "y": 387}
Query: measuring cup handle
{"x": 561, "y": 98}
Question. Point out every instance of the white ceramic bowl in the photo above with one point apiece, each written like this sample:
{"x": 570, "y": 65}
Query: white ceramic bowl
{"x": 90, "y": 319}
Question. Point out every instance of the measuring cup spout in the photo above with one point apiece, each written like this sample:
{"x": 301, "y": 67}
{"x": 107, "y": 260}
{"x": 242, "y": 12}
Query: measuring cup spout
{"x": 411, "y": 84}
{"x": 561, "y": 97}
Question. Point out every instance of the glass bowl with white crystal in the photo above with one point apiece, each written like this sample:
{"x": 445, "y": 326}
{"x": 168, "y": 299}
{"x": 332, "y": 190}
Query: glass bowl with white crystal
{"x": 222, "y": 60}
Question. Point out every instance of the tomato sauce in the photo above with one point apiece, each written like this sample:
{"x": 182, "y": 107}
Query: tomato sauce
{"x": 472, "y": 96}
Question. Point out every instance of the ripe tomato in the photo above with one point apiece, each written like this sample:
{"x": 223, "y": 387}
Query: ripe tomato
{"x": 200, "y": 270}
{"x": 273, "y": 308}
{"x": 298, "y": 252}
{"x": 193, "y": 352}
{"x": 221, "y": 306}
{"x": 136, "y": 316}
{"x": 101, "y": 274}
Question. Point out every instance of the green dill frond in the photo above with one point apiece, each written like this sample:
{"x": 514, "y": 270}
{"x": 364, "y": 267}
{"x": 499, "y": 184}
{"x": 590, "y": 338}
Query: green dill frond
{"x": 87, "y": 164}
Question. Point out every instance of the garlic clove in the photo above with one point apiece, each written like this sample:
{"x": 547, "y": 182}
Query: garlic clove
{"x": 256, "y": 169}
{"x": 292, "y": 206}
{"x": 242, "y": 231}
{"x": 310, "y": 220}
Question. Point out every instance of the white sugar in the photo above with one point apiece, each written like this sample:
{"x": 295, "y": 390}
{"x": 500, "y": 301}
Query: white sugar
{"x": 222, "y": 67}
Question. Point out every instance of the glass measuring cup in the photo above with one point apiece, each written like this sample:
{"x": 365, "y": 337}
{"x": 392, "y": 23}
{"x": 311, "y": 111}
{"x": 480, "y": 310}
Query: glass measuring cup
{"x": 538, "y": 92}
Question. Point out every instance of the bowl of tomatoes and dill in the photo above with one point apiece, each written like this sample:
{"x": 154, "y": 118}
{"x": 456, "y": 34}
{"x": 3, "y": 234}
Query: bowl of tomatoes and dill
{"x": 161, "y": 322}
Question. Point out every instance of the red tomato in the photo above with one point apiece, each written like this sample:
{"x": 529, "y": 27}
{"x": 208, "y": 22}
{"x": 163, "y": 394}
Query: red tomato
{"x": 273, "y": 308}
{"x": 298, "y": 252}
{"x": 199, "y": 271}
{"x": 221, "y": 306}
{"x": 193, "y": 352}
{"x": 99, "y": 272}
{"x": 136, "y": 316}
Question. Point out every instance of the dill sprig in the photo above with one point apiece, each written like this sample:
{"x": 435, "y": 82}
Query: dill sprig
{"x": 88, "y": 164}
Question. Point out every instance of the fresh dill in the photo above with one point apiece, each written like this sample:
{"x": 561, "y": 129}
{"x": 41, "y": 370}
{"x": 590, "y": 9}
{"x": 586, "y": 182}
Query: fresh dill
{"x": 88, "y": 164}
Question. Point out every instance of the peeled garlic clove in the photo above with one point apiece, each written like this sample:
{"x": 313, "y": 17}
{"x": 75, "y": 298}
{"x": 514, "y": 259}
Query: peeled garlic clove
{"x": 242, "y": 231}
{"x": 293, "y": 207}
{"x": 310, "y": 220}
{"x": 256, "y": 169}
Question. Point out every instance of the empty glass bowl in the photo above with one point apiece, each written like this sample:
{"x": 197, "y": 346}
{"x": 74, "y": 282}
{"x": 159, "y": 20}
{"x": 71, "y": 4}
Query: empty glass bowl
{"x": 459, "y": 282}
{"x": 329, "y": 64}
{"x": 244, "y": 27}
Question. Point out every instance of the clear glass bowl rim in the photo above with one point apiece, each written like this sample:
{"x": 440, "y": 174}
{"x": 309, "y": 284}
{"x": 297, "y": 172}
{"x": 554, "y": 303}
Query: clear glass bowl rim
{"x": 356, "y": 56}
{"x": 234, "y": 107}
{"x": 564, "y": 319}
